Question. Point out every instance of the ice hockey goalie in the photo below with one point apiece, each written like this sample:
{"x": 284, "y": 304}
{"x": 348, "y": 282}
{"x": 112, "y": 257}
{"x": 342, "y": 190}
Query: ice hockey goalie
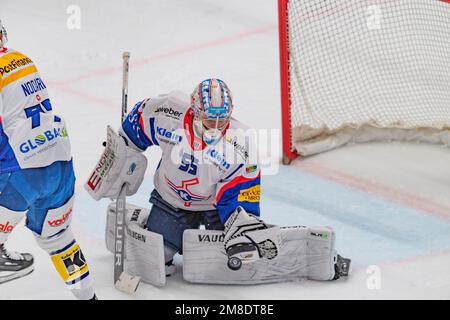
{"x": 208, "y": 176}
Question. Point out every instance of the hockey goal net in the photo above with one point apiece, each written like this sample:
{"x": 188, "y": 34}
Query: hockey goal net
{"x": 363, "y": 70}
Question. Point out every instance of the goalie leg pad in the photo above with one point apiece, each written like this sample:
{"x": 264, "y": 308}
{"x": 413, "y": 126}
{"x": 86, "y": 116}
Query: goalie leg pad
{"x": 144, "y": 250}
{"x": 303, "y": 253}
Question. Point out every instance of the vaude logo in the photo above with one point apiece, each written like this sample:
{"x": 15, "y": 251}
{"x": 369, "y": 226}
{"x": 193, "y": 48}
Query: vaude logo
{"x": 41, "y": 139}
{"x": 58, "y": 222}
{"x": 7, "y": 227}
{"x": 211, "y": 238}
{"x": 169, "y": 111}
{"x": 169, "y": 135}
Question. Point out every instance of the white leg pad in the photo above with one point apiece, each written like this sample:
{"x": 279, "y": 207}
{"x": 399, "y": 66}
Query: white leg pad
{"x": 304, "y": 253}
{"x": 144, "y": 250}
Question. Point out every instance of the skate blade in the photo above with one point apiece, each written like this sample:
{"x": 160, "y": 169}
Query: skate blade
{"x": 16, "y": 275}
{"x": 127, "y": 283}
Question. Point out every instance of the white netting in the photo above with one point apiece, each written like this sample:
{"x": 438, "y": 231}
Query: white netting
{"x": 359, "y": 65}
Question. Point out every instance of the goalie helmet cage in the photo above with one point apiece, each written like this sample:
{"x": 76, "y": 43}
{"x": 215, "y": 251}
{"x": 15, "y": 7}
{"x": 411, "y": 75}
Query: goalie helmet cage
{"x": 363, "y": 70}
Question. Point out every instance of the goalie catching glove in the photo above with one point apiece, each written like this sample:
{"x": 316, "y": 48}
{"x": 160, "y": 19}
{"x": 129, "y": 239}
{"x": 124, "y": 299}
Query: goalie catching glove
{"x": 248, "y": 239}
{"x": 119, "y": 164}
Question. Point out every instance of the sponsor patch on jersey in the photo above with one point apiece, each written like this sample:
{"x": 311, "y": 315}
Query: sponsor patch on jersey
{"x": 250, "y": 195}
{"x": 12, "y": 62}
{"x": 240, "y": 149}
{"x": 42, "y": 139}
{"x": 168, "y": 111}
{"x": 168, "y": 135}
{"x": 218, "y": 158}
{"x": 251, "y": 169}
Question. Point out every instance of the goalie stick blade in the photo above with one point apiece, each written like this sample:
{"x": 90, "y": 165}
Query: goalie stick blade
{"x": 127, "y": 283}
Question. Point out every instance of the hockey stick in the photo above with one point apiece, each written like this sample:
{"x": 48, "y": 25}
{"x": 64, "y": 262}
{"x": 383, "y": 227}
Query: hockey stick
{"x": 122, "y": 280}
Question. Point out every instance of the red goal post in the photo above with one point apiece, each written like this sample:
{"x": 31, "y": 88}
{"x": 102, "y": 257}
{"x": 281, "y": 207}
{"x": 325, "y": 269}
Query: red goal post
{"x": 363, "y": 70}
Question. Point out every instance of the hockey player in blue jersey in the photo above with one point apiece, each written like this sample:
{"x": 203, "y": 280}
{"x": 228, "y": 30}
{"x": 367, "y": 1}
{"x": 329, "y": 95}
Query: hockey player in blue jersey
{"x": 36, "y": 174}
{"x": 208, "y": 174}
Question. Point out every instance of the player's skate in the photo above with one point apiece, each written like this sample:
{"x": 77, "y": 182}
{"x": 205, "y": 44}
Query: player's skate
{"x": 14, "y": 265}
{"x": 342, "y": 267}
{"x": 248, "y": 239}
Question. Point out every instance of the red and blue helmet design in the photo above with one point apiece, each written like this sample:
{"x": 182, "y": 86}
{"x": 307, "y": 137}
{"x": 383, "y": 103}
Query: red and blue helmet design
{"x": 212, "y": 104}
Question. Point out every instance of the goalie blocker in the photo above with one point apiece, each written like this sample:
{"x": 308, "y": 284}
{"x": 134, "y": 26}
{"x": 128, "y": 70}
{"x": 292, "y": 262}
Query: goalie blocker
{"x": 118, "y": 164}
{"x": 302, "y": 253}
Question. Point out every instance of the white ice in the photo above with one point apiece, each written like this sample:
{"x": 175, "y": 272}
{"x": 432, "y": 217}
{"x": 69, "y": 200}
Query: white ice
{"x": 389, "y": 203}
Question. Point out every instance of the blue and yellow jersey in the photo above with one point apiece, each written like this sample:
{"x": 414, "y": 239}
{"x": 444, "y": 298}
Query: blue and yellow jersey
{"x": 31, "y": 136}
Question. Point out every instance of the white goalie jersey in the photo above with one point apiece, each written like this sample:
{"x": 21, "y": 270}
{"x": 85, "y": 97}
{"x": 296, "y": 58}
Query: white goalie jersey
{"x": 192, "y": 175}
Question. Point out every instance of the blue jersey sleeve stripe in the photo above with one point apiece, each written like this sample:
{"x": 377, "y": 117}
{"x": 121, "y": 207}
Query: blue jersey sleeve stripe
{"x": 152, "y": 132}
{"x": 234, "y": 171}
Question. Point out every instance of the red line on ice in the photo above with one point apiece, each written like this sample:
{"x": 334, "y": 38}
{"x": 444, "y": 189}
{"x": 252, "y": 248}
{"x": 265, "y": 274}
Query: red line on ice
{"x": 372, "y": 187}
{"x": 167, "y": 55}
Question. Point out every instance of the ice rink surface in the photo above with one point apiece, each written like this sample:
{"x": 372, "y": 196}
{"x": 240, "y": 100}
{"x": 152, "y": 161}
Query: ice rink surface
{"x": 389, "y": 203}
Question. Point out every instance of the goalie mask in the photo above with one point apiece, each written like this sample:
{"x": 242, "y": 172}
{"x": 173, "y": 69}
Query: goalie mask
{"x": 3, "y": 35}
{"x": 212, "y": 104}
